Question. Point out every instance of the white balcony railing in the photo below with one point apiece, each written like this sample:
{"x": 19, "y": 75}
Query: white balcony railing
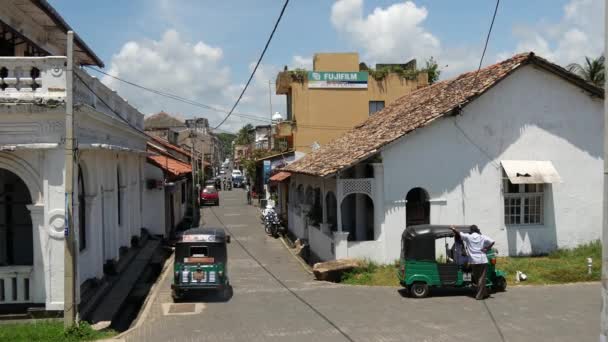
{"x": 15, "y": 284}
{"x": 28, "y": 79}
{"x": 43, "y": 80}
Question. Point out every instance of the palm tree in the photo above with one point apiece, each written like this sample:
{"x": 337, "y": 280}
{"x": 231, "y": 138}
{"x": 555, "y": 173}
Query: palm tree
{"x": 592, "y": 71}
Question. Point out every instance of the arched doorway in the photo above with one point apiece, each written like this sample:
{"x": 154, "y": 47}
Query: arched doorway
{"x": 358, "y": 217}
{"x": 417, "y": 207}
{"x": 16, "y": 233}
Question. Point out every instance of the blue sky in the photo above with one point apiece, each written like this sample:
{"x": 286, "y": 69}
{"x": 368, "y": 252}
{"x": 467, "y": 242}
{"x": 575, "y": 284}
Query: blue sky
{"x": 132, "y": 38}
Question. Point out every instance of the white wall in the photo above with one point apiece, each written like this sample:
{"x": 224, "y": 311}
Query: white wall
{"x": 531, "y": 115}
{"x": 154, "y": 202}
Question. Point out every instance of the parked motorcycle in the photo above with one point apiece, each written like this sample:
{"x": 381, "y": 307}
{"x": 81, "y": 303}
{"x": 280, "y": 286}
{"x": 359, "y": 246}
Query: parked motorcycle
{"x": 272, "y": 223}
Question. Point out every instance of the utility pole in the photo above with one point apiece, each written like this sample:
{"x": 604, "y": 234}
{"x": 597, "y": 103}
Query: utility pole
{"x": 70, "y": 305}
{"x": 193, "y": 165}
{"x": 270, "y": 97}
{"x": 604, "y": 314}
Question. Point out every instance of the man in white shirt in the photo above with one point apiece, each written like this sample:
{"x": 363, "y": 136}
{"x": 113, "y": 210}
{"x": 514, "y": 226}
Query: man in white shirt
{"x": 477, "y": 245}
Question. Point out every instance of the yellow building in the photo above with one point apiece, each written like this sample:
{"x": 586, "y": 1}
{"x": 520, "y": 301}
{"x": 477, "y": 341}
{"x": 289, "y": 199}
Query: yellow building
{"x": 338, "y": 94}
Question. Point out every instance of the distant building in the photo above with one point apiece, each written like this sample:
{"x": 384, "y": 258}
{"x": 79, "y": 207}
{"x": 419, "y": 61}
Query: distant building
{"x": 338, "y": 94}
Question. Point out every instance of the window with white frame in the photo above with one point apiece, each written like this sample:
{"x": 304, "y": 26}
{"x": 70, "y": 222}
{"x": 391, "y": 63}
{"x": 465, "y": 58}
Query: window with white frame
{"x": 523, "y": 203}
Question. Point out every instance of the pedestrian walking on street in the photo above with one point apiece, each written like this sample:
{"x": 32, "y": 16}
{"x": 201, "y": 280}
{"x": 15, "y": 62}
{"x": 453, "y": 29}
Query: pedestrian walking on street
{"x": 477, "y": 245}
{"x": 248, "y": 194}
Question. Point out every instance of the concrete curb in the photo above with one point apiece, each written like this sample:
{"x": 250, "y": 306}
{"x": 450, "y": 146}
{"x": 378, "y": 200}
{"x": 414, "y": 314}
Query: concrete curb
{"x": 147, "y": 306}
{"x": 304, "y": 265}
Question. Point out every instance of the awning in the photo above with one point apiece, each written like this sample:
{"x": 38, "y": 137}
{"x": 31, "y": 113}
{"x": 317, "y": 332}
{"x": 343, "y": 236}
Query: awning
{"x": 530, "y": 171}
{"x": 279, "y": 177}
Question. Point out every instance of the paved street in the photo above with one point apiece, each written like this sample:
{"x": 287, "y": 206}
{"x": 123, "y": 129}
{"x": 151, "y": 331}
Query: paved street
{"x": 276, "y": 300}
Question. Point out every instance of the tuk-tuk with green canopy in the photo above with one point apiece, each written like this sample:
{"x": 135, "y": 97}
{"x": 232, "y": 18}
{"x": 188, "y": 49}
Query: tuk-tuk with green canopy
{"x": 420, "y": 270}
{"x": 201, "y": 262}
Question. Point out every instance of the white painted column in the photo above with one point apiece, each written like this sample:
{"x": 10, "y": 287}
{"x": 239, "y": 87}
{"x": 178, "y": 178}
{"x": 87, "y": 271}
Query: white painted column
{"x": 340, "y": 245}
{"x": 339, "y": 198}
{"x": 38, "y": 280}
{"x": 360, "y": 212}
{"x": 94, "y": 233}
{"x": 379, "y": 212}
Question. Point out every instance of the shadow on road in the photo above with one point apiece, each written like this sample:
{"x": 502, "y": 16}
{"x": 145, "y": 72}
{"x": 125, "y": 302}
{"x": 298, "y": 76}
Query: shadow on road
{"x": 206, "y": 296}
{"x": 443, "y": 292}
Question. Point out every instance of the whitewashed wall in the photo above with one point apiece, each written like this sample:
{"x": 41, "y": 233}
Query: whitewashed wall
{"x": 531, "y": 115}
{"x": 154, "y": 202}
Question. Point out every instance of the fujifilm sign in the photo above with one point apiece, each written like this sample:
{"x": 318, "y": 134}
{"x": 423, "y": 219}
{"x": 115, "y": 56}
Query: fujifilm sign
{"x": 323, "y": 79}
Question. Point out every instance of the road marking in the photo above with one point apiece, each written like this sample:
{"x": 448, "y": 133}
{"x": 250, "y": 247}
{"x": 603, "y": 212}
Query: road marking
{"x": 232, "y": 214}
{"x": 182, "y": 309}
{"x": 237, "y": 225}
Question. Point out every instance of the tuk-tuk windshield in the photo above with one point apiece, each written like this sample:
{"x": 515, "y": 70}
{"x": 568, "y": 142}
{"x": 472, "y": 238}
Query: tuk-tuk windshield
{"x": 217, "y": 251}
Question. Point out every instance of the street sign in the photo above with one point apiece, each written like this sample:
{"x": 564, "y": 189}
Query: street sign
{"x": 267, "y": 170}
{"x": 331, "y": 79}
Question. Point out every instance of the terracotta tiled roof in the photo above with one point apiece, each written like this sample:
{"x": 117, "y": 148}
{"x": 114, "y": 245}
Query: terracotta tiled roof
{"x": 170, "y": 165}
{"x": 416, "y": 110}
{"x": 280, "y": 176}
{"x": 163, "y": 120}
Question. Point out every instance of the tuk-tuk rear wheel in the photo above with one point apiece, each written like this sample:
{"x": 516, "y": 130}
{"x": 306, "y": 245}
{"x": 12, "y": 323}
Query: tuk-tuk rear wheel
{"x": 501, "y": 284}
{"x": 419, "y": 290}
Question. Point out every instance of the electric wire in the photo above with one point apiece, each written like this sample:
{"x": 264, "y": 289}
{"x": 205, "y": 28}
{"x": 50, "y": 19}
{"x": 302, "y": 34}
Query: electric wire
{"x": 485, "y": 47}
{"x": 292, "y": 292}
{"x": 177, "y": 97}
{"x": 256, "y": 65}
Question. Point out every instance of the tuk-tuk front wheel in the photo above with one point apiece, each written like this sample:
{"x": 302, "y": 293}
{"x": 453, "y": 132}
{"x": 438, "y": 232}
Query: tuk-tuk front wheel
{"x": 177, "y": 295}
{"x": 419, "y": 290}
{"x": 501, "y": 284}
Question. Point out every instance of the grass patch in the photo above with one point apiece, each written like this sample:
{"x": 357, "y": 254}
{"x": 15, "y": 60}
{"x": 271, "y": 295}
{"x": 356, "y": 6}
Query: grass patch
{"x": 50, "y": 331}
{"x": 558, "y": 267}
{"x": 370, "y": 273}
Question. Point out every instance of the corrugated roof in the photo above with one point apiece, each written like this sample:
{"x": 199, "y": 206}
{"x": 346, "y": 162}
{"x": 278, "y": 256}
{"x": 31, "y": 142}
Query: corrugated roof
{"x": 416, "y": 110}
{"x": 170, "y": 146}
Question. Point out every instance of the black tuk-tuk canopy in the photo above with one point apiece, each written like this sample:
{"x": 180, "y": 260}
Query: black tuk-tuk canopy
{"x": 202, "y": 242}
{"x": 418, "y": 242}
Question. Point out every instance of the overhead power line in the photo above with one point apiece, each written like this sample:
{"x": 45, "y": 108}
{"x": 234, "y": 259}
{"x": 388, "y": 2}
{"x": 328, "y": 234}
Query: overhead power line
{"x": 177, "y": 97}
{"x": 256, "y": 65}
{"x": 485, "y": 46}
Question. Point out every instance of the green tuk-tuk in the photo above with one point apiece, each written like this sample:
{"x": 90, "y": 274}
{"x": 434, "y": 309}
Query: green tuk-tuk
{"x": 419, "y": 269}
{"x": 201, "y": 262}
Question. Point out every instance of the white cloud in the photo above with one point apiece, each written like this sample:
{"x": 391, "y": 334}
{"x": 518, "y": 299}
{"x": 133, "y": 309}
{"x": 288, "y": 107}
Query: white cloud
{"x": 301, "y": 62}
{"x": 391, "y": 34}
{"x": 578, "y": 33}
{"x": 191, "y": 70}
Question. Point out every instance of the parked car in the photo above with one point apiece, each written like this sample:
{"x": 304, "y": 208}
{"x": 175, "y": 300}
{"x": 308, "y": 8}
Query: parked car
{"x": 237, "y": 181}
{"x": 209, "y": 195}
{"x": 237, "y": 173}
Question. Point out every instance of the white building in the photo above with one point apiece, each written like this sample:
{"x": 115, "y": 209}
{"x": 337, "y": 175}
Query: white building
{"x": 515, "y": 149}
{"x": 110, "y": 160}
{"x": 168, "y": 187}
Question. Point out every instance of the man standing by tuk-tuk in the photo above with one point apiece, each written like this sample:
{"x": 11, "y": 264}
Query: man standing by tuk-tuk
{"x": 477, "y": 245}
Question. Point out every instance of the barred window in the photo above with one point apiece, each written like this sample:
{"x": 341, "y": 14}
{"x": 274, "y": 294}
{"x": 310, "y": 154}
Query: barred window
{"x": 523, "y": 203}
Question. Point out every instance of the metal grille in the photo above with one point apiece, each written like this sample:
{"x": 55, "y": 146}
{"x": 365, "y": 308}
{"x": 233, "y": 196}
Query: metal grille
{"x": 351, "y": 186}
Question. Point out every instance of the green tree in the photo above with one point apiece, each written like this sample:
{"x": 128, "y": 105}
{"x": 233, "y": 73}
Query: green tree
{"x": 226, "y": 140}
{"x": 432, "y": 69}
{"x": 243, "y": 137}
{"x": 591, "y": 71}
